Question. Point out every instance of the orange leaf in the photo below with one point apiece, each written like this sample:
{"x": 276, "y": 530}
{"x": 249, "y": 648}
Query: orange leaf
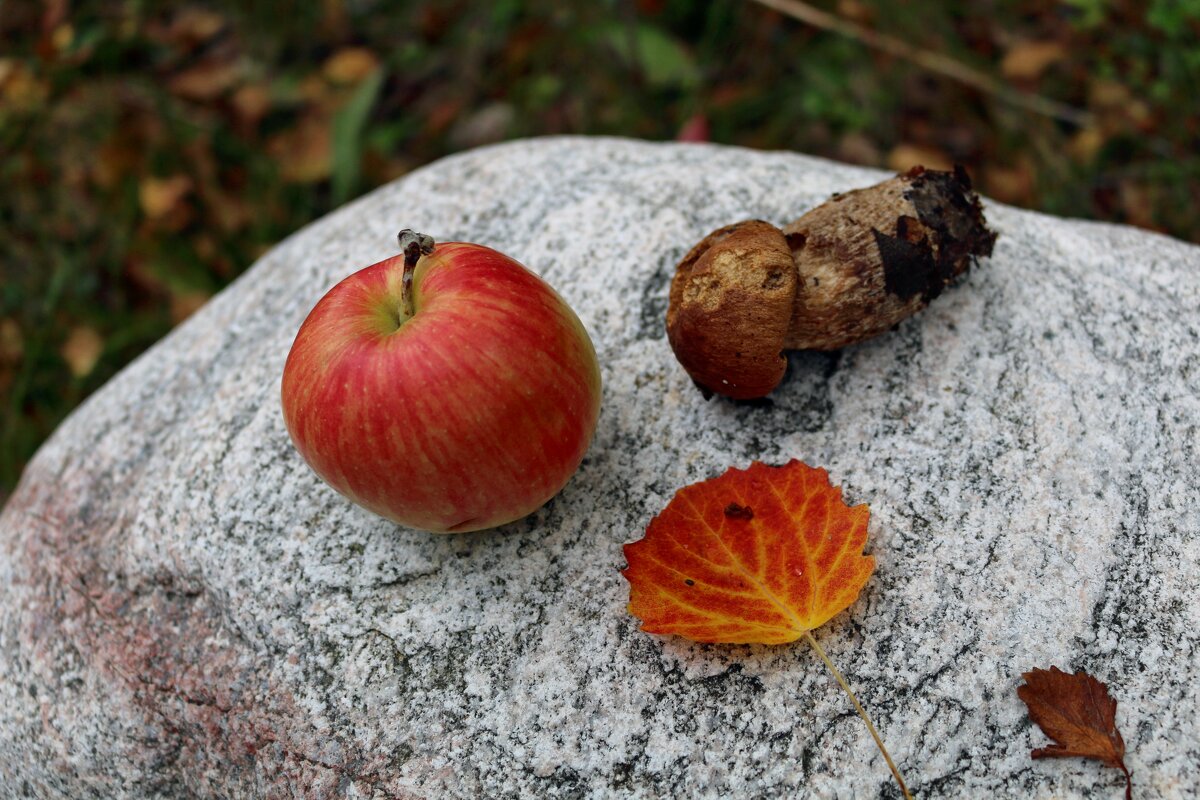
{"x": 1078, "y": 713}
{"x": 763, "y": 555}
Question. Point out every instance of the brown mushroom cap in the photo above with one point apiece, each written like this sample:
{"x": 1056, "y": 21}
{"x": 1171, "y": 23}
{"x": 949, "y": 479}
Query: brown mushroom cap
{"x": 730, "y": 308}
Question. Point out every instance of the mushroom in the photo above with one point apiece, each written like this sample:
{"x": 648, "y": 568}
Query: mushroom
{"x": 846, "y": 271}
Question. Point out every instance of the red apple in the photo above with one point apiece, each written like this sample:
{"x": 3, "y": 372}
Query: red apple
{"x": 447, "y": 388}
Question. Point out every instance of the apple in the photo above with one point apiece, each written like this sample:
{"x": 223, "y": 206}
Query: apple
{"x": 447, "y": 388}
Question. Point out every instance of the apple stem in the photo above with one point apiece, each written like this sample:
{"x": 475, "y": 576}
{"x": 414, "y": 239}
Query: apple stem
{"x": 414, "y": 245}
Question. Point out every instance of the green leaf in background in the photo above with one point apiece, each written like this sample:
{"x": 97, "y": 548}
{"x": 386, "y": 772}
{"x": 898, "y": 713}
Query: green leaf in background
{"x": 663, "y": 60}
{"x": 348, "y": 127}
{"x": 1092, "y": 12}
{"x": 1173, "y": 17}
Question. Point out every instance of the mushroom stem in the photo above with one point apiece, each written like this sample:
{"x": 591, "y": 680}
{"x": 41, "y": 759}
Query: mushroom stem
{"x": 850, "y": 269}
{"x": 869, "y": 259}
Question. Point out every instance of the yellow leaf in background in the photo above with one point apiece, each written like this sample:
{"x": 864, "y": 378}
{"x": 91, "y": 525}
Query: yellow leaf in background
{"x": 12, "y": 343}
{"x": 1026, "y": 61}
{"x": 315, "y": 90}
{"x": 160, "y": 196}
{"x": 252, "y": 102}
{"x": 1137, "y": 200}
{"x": 1011, "y": 183}
{"x": 1107, "y": 94}
{"x": 1086, "y": 144}
{"x": 228, "y": 210}
{"x": 20, "y": 89}
{"x": 62, "y": 38}
{"x": 350, "y": 65}
{"x": 184, "y": 304}
{"x": 207, "y": 80}
{"x": 196, "y": 24}
{"x": 905, "y": 156}
{"x": 12, "y": 348}
{"x": 304, "y": 153}
{"x": 1117, "y": 106}
{"x": 82, "y": 350}
{"x": 856, "y": 11}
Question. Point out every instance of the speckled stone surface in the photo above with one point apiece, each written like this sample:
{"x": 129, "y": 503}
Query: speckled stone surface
{"x": 185, "y": 610}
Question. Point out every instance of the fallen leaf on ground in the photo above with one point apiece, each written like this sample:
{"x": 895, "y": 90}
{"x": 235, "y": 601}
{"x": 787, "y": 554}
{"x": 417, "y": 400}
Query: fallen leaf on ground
{"x": 184, "y": 304}
{"x": 350, "y": 65}
{"x": 160, "y": 196}
{"x": 207, "y": 80}
{"x": 251, "y": 102}
{"x": 758, "y": 555}
{"x": 12, "y": 343}
{"x": 305, "y": 152}
{"x": 1078, "y": 713}
{"x": 82, "y": 350}
{"x": 905, "y": 156}
{"x": 1026, "y": 61}
{"x": 195, "y": 25}
{"x": 763, "y": 555}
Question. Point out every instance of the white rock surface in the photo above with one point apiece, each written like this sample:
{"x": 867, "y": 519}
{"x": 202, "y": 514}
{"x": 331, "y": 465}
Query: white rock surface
{"x": 185, "y": 610}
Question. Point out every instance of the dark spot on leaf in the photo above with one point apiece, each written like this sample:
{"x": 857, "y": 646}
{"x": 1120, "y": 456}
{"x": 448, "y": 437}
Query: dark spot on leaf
{"x": 689, "y": 581}
{"x": 735, "y": 511}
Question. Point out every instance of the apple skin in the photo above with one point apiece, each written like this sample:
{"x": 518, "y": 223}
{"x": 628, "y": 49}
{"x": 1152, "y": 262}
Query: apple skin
{"x": 471, "y": 413}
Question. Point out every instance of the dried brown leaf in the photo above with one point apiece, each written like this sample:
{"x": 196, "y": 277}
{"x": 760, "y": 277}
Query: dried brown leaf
{"x": 1026, "y": 61}
{"x": 160, "y": 196}
{"x": 251, "y": 103}
{"x": 1011, "y": 183}
{"x": 1078, "y": 713}
{"x": 304, "y": 153}
{"x": 12, "y": 343}
{"x": 184, "y": 304}
{"x": 207, "y": 80}
{"x": 20, "y": 89}
{"x": 905, "y": 156}
{"x": 1085, "y": 145}
{"x": 350, "y": 65}
{"x": 82, "y": 350}
{"x": 194, "y": 25}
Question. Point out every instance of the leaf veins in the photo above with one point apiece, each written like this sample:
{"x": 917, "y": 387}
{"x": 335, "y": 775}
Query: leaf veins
{"x": 763, "y": 554}
{"x": 1078, "y": 713}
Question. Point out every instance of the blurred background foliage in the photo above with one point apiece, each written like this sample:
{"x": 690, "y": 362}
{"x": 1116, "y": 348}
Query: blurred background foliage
{"x": 151, "y": 151}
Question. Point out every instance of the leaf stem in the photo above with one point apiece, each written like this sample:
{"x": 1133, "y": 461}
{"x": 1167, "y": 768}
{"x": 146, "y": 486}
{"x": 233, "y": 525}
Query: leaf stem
{"x": 849, "y": 693}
